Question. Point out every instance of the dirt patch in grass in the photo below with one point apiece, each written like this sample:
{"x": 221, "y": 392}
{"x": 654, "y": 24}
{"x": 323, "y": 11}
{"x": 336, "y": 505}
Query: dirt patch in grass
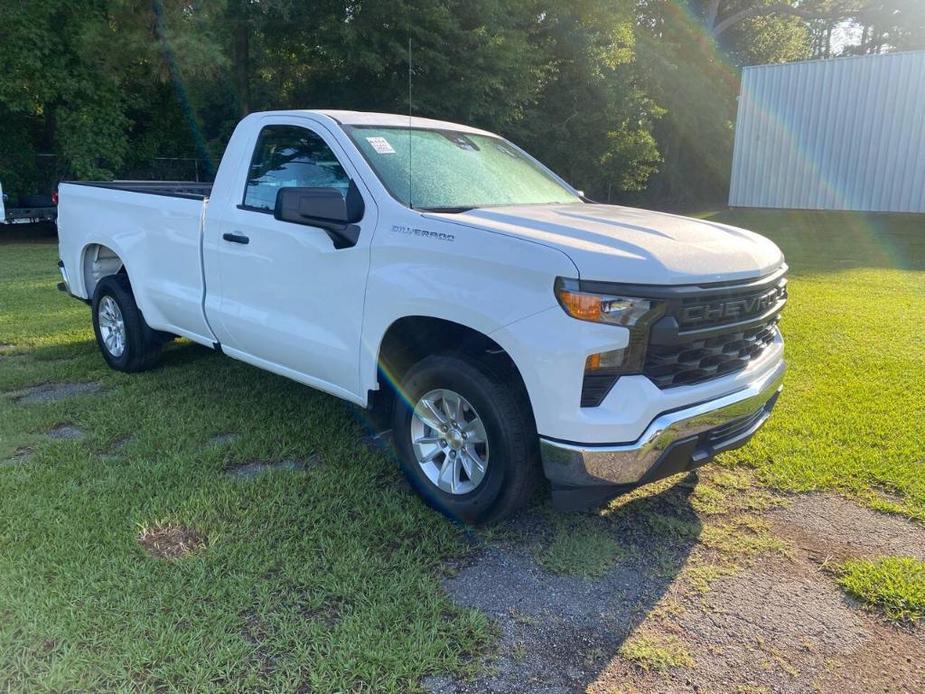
{"x": 891, "y": 661}
{"x": 170, "y": 540}
{"x": 66, "y": 432}
{"x": 254, "y": 468}
{"x": 20, "y": 455}
{"x": 52, "y": 392}
{"x": 771, "y": 624}
{"x": 831, "y": 528}
{"x": 224, "y": 439}
{"x": 557, "y": 632}
{"x": 777, "y": 627}
{"x": 784, "y": 625}
{"x": 255, "y": 632}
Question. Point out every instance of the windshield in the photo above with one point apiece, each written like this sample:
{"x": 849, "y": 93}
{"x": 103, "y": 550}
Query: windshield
{"x": 454, "y": 171}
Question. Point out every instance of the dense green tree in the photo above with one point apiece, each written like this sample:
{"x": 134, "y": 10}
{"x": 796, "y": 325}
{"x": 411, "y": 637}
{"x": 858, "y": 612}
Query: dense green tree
{"x": 605, "y": 91}
{"x": 129, "y": 81}
{"x": 692, "y": 71}
{"x": 85, "y": 79}
{"x": 592, "y": 119}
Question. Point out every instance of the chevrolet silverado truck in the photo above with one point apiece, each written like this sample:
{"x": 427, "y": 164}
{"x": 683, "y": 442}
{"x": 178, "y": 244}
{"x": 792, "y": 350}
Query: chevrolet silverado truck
{"x": 513, "y": 327}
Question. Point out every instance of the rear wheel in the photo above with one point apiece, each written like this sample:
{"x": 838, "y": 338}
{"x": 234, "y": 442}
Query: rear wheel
{"x": 124, "y": 339}
{"x": 465, "y": 439}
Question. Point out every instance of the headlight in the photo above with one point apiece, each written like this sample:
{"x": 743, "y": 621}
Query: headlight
{"x": 632, "y": 312}
{"x": 601, "y": 308}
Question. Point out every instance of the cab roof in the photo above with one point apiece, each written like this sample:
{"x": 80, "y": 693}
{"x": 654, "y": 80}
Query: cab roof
{"x": 388, "y": 120}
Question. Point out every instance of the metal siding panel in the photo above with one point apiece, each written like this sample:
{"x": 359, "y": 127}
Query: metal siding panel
{"x": 856, "y": 90}
{"x": 917, "y": 159}
{"x": 883, "y": 158}
{"x": 863, "y": 166}
{"x": 913, "y": 170}
{"x": 891, "y": 160}
{"x": 879, "y": 143}
{"x": 786, "y": 96}
{"x": 914, "y": 173}
{"x": 829, "y": 122}
{"x": 754, "y": 143}
{"x": 739, "y": 146}
{"x": 843, "y": 134}
{"x": 899, "y": 191}
{"x": 832, "y": 136}
{"x": 819, "y": 137}
{"x": 802, "y": 127}
{"x": 776, "y": 104}
{"x": 760, "y": 135}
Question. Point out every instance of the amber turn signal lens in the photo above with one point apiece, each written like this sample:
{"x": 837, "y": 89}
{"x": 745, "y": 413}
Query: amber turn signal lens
{"x": 601, "y": 308}
{"x": 604, "y": 361}
{"x": 580, "y": 305}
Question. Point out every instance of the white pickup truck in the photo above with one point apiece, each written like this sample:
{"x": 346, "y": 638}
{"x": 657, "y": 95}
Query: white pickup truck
{"x": 511, "y": 325}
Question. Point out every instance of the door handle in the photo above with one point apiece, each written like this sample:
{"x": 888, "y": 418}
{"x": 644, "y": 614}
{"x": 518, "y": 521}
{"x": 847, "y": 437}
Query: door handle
{"x": 236, "y": 238}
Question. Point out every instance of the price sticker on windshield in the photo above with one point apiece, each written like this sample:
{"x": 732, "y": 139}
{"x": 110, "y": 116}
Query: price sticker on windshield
{"x": 381, "y": 145}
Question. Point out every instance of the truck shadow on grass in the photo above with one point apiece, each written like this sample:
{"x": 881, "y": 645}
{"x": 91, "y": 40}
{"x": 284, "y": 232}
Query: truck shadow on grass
{"x": 180, "y": 352}
{"x": 567, "y": 592}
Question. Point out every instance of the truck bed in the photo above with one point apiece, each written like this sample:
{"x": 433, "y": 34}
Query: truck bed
{"x": 157, "y": 225}
{"x": 193, "y": 190}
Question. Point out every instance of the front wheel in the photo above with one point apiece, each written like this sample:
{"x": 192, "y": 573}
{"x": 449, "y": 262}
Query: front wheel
{"x": 465, "y": 439}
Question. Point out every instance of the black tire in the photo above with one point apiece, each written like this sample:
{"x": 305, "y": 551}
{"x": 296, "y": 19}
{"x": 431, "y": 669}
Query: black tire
{"x": 142, "y": 344}
{"x": 512, "y": 470}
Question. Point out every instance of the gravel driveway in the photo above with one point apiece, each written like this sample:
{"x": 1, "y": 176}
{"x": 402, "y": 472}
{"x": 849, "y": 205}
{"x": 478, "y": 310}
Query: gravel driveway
{"x": 777, "y": 623}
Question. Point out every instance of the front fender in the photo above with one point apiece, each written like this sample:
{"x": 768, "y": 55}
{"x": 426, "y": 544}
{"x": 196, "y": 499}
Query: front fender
{"x": 470, "y": 276}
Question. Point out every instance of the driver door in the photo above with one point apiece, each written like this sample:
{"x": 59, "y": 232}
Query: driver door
{"x": 287, "y": 299}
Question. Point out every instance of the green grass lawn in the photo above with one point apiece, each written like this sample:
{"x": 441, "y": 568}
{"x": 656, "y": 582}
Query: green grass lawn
{"x": 330, "y": 577}
{"x": 852, "y": 417}
{"x": 327, "y": 577}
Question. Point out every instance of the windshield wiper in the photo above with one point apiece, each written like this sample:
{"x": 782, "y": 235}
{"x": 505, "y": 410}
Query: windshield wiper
{"x": 447, "y": 210}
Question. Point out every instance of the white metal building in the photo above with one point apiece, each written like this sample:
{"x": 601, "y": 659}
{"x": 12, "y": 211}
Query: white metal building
{"x": 842, "y": 134}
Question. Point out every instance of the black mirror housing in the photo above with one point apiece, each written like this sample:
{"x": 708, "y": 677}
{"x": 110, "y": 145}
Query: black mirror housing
{"x": 327, "y": 208}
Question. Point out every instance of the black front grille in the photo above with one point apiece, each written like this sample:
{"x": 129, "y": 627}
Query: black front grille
{"x": 701, "y": 359}
{"x": 730, "y": 306}
{"x": 717, "y": 332}
{"x": 693, "y": 332}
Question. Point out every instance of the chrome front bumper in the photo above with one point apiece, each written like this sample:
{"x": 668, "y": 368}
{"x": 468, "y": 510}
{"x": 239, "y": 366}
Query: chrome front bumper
{"x": 674, "y": 442}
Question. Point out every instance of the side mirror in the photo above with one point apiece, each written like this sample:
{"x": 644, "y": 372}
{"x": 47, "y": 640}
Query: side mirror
{"x": 326, "y": 208}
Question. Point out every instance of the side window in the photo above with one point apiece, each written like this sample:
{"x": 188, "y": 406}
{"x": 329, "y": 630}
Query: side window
{"x": 289, "y": 156}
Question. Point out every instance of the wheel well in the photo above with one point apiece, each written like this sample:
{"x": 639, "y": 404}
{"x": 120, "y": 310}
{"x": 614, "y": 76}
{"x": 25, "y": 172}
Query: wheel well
{"x": 99, "y": 261}
{"x": 410, "y": 339}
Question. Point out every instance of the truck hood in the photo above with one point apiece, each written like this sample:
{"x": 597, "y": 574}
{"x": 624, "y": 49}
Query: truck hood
{"x": 623, "y": 244}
